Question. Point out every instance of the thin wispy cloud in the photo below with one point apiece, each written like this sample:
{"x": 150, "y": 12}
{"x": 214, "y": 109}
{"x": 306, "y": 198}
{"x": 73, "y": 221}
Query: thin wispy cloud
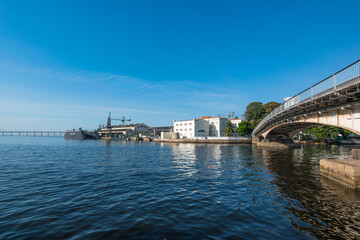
{"x": 91, "y": 95}
{"x": 189, "y": 91}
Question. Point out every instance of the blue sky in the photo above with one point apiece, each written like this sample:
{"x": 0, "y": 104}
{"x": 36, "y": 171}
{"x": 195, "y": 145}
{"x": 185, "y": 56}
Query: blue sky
{"x": 66, "y": 64}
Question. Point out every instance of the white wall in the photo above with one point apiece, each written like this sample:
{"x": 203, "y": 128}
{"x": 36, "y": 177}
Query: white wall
{"x": 235, "y": 123}
{"x": 166, "y": 135}
{"x": 185, "y": 128}
{"x": 217, "y": 126}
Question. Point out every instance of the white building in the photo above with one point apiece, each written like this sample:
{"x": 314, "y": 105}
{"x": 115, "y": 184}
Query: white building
{"x": 203, "y": 127}
{"x": 136, "y": 128}
{"x": 192, "y": 128}
{"x": 217, "y": 125}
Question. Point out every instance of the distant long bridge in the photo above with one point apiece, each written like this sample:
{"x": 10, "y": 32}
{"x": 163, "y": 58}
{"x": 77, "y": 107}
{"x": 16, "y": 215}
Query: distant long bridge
{"x": 334, "y": 101}
{"x": 32, "y": 133}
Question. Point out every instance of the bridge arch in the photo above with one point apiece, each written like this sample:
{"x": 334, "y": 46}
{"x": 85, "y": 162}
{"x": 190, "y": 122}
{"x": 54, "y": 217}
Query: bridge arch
{"x": 289, "y": 129}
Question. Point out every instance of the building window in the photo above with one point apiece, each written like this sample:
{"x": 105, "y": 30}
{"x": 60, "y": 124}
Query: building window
{"x": 180, "y": 124}
{"x": 177, "y": 124}
{"x": 190, "y": 123}
{"x": 189, "y": 129}
{"x": 185, "y": 124}
{"x": 185, "y": 129}
{"x": 181, "y": 129}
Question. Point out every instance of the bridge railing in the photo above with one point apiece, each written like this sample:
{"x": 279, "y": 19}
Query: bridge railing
{"x": 339, "y": 80}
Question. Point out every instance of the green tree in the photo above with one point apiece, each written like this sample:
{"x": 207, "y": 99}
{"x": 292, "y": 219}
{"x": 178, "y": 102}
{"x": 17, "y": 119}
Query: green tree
{"x": 254, "y": 113}
{"x": 244, "y": 128}
{"x": 229, "y": 130}
{"x": 270, "y": 106}
{"x": 325, "y": 132}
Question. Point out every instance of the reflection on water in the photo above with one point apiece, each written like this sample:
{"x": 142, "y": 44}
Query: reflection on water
{"x": 319, "y": 206}
{"x": 190, "y": 158}
{"x": 56, "y": 189}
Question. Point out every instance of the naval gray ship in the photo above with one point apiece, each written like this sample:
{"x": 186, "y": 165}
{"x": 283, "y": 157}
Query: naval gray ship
{"x": 81, "y": 134}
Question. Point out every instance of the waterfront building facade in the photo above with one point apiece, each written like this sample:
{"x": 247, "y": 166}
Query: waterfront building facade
{"x": 156, "y": 131}
{"x": 202, "y": 127}
{"x": 235, "y": 123}
{"x": 128, "y": 130}
{"x": 191, "y": 128}
{"x": 217, "y": 125}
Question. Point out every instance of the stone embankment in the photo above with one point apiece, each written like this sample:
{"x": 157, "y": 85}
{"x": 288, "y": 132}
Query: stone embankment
{"x": 242, "y": 140}
{"x": 278, "y": 145}
{"x": 344, "y": 171}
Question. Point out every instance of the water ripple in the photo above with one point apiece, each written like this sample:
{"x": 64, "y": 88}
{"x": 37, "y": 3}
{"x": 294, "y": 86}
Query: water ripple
{"x": 51, "y": 188}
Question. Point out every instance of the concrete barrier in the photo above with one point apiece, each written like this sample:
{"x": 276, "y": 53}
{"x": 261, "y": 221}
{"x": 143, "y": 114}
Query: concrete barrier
{"x": 346, "y": 171}
{"x": 356, "y": 154}
{"x": 203, "y": 140}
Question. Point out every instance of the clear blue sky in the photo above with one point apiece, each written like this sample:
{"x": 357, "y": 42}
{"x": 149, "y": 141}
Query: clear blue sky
{"x": 66, "y": 64}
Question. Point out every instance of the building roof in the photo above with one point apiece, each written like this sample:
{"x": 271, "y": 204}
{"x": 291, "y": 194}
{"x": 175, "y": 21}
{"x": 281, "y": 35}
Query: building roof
{"x": 128, "y": 125}
{"x": 208, "y": 117}
{"x": 166, "y": 127}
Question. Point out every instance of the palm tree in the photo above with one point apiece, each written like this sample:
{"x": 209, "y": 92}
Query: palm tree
{"x": 229, "y": 130}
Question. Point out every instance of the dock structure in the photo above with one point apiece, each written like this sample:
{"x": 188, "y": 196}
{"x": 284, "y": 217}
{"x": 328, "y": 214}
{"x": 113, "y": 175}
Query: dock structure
{"x": 33, "y": 133}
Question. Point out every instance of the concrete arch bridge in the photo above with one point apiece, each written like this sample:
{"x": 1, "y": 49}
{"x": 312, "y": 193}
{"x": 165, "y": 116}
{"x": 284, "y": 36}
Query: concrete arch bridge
{"x": 334, "y": 101}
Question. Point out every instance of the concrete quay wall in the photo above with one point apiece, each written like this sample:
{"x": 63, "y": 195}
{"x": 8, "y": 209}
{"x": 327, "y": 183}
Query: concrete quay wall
{"x": 344, "y": 171}
{"x": 202, "y": 140}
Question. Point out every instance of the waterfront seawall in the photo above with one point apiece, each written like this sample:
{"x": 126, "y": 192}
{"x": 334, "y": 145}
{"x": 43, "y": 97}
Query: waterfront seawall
{"x": 227, "y": 140}
{"x": 344, "y": 171}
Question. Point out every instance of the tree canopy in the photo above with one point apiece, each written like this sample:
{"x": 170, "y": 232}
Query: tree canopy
{"x": 229, "y": 130}
{"x": 270, "y": 106}
{"x": 244, "y": 128}
{"x": 256, "y": 111}
{"x": 324, "y": 132}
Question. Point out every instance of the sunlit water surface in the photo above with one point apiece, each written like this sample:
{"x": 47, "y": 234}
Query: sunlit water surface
{"x": 51, "y": 188}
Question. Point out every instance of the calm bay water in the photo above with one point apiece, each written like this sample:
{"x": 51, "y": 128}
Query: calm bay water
{"x": 51, "y": 188}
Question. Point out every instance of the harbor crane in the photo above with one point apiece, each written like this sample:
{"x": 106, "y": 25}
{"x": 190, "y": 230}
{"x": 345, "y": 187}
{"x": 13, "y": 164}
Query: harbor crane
{"x": 230, "y": 116}
{"x": 108, "y": 124}
{"x": 123, "y": 120}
